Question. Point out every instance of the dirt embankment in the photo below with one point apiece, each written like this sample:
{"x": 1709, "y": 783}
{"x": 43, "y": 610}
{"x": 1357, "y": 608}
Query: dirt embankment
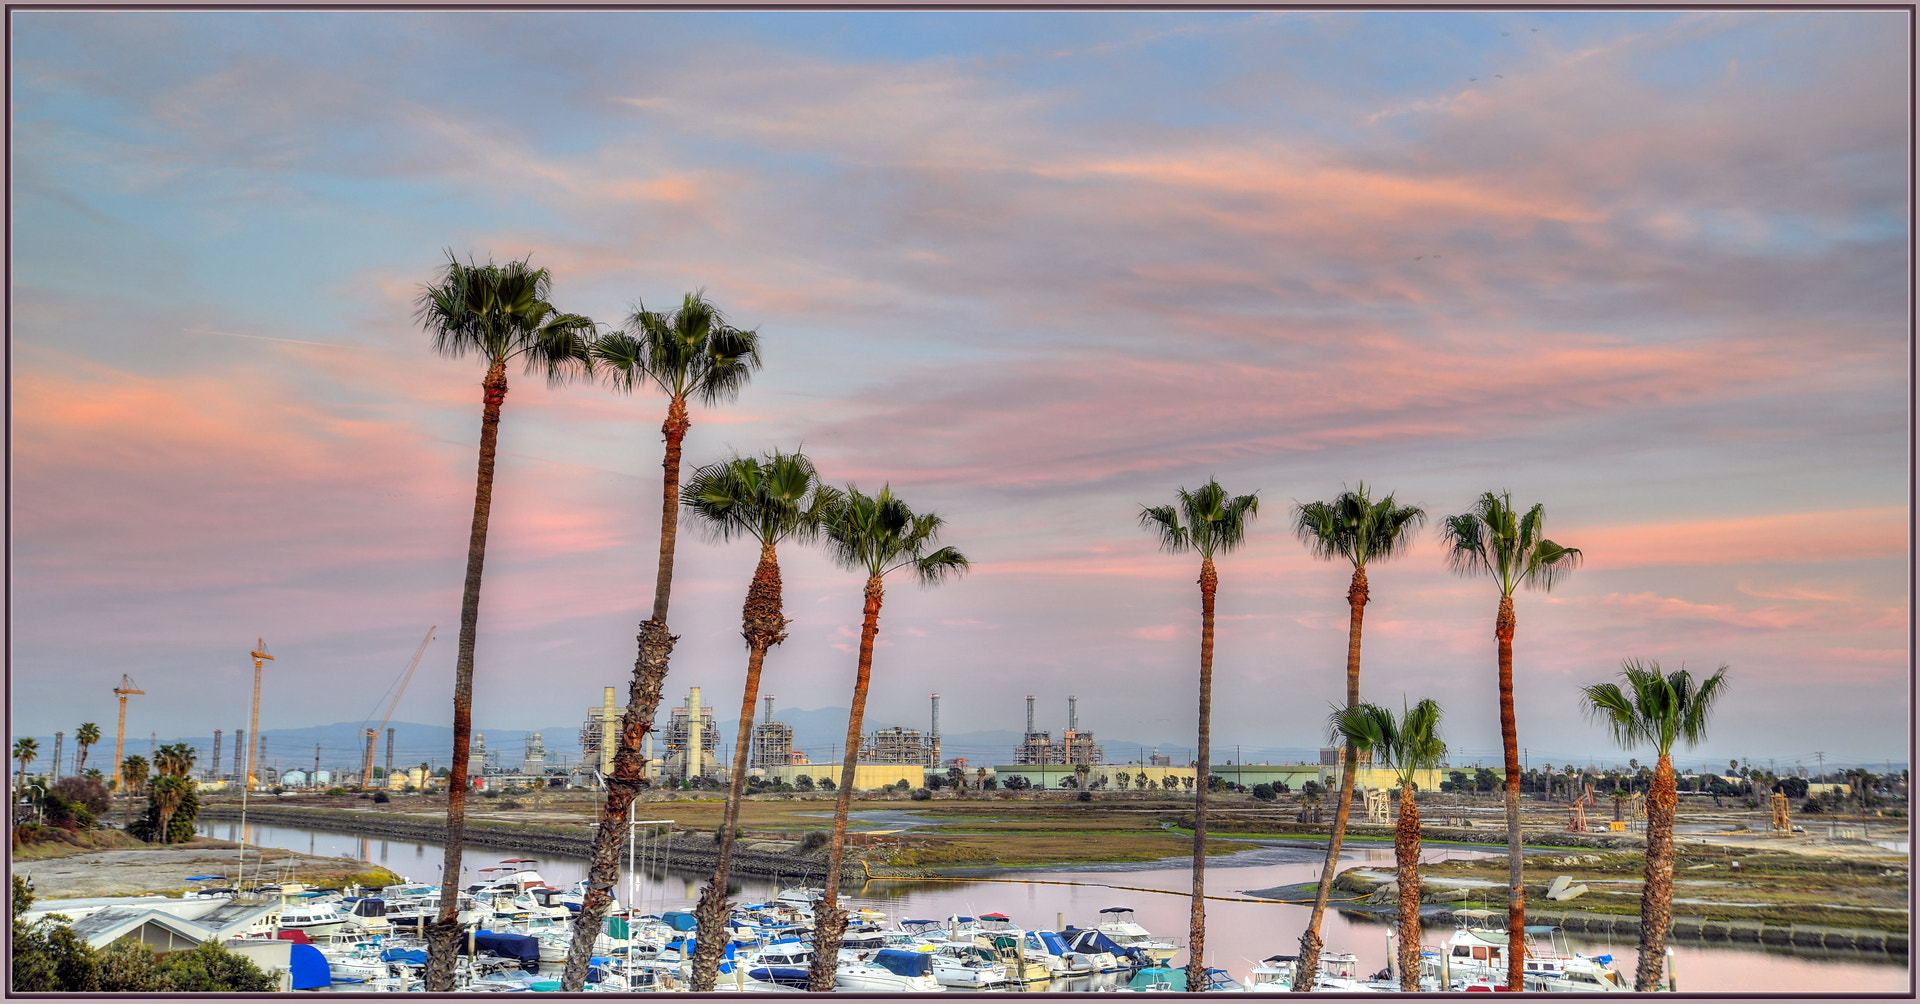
{"x": 690, "y": 851}
{"x": 163, "y": 870}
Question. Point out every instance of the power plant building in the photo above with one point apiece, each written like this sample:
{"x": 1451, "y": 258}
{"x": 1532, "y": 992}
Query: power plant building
{"x": 772, "y": 742}
{"x": 1076, "y": 745}
{"x": 693, "y": 741}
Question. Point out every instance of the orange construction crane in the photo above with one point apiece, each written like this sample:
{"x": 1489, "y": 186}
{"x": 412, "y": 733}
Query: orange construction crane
{"x": 259, "y": 653}
{"x": 370, "y": 735}
{"x": 120, "y": 735}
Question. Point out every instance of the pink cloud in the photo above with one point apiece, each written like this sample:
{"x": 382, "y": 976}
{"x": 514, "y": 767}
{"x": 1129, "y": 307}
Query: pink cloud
{"x": 1833, "y": 535}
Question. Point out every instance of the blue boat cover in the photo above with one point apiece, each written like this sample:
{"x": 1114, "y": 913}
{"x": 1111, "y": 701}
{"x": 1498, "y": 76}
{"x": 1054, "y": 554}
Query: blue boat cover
{"x": 309, "y": 968}
{"x": 679, "y": 920}
{"x": 520, "y": 947}
{"x": 1089, "y": 940}
{"x": 1048, "y": 940}
{"x": 786, "y": 976}
{"x": 904, "y": 963}
{"x": 409, "y": 955}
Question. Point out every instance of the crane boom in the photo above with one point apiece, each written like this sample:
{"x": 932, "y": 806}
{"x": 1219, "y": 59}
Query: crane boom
{"x": 120, "y": 735}
{"x": 371, "y": 735}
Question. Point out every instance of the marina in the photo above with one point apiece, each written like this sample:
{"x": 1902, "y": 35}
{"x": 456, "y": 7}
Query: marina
{"x": 1243, "y": 929}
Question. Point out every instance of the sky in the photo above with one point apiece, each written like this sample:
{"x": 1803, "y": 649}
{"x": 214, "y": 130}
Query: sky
{"x": 1035, "y": 270}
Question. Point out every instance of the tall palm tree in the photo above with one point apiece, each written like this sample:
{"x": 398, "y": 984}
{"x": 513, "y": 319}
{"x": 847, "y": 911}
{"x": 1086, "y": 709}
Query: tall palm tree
{"x": 84, "y": 737}
{"x": 689, "y": 353}
{"x": 1208, "y": 521}
{"x": 1656, "y": 710}
{"x": 768, "y": 501}
{"x": 26, "y": 750}
{"x": 875, "y": 534}
{"x": 1494, "y": 540}
{"x": 499, "y": 313}
{"x": 1407, "y": 745}
{"x": 1355, "y": 528}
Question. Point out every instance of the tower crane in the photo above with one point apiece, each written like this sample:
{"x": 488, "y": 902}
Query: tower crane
{"x": 120, "y": 735}
{"x": 259, "y": 653}
{"x": 370, "y": 735}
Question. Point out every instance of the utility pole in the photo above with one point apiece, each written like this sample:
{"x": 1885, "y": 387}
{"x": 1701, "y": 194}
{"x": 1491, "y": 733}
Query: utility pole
{"x": 1821, "y": 760}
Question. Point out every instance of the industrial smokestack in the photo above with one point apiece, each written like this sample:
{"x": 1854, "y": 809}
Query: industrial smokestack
{"x": 935, "y": 731}
{"x": 59, "y": 738}
{"x": 217, "y": 733}
{"x": 1073, "y": 714}
{"x": 693, "y": 732}
{"x": 389, "y": 751}
{"x": 239, "y": 747}
{"x": 769, "y": 718}
{"x": 1029, "y": 714}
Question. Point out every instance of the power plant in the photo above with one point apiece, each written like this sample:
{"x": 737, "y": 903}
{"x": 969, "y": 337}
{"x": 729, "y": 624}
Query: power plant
{"x": 1075, "y": 746}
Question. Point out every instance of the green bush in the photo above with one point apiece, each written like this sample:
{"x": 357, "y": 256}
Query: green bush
{"x": 1264, "y": 792}
{"x": 336, "y": 791}
{"x": 920, "y": 794}
{"x": 814, "y": 840}
{"x": 381, "y": 796}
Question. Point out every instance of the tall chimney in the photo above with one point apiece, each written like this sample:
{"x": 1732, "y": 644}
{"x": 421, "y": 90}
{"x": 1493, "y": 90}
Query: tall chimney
{"x": 936, "y": 715}
{"x": 607, "y": 720}
{"x": 389, "y": 751}
{"x": 693, "y": 732}
{"x": 769, "y": 719}
{"x": 1073, "y": 714}
{"x": 59, "y": 739}
{"x": 1029, "y": 714}
{"x": 314, "y": 778}
{"x": 215, "y": 774}
{"x": 239, "y": 745}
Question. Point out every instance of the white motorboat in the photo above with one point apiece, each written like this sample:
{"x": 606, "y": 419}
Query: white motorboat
{"x": 1117, "y": 923}
{"x": 967, "y": 967}
{"x": 890, "y": 970}
{"x": 315, "y": 920}
{"x": 1477, "y": 953}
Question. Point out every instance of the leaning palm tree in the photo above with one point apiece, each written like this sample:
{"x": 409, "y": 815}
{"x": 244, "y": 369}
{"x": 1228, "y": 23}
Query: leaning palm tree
{"x": 1656, "y": 710}
{"x": 1494, "y": 540}
{"x": 1407, "y": 745}
{"x": 1208, "y": 521}
{"x": 26, "y": 750}
{"x": 1355, "y": 528}
{"x": 690, "y": 353}
{"x": 84, "y": 737}
{"x": 768, "y": 501}
{"x": 875, "y": 534}
{"x": 499, "y": 313}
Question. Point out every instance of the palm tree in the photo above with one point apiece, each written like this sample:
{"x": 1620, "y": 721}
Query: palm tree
{"x": 767, "y": 501}
{"x": 133, "y": 774}
{"x": 84, "y": 737}
{"x": 690, "y": 353}
{"x": 1656, "y": 710}
{"x": 1407, "y": 745}
{"x": 1208, "y": 521}
{"x": 26, "y": 750}
{"x": 499, "y": 313}
{"x": 174, "y": 763}
{"x": 875, "y": 534}
{"x": 1493, "y": 540}
{"x": 1354, "y": 528}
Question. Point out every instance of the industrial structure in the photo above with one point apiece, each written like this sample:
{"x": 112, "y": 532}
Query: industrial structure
{"x": 897, "y": 745}
{"x": 535, "y": 763}
{"x": 259, "y": 655}
{"x": 598, "y": 736}
{"x": 373, "y": 734}
{"x": 1076, "y": 745}
{"x": 693, "y": 741}
{"x": 120, "y": 735}
{"x": 772, "y": 742}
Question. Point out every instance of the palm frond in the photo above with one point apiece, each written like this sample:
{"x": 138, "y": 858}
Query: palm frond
{"x": 1492, "y": 539}
{"x": 1205, "y": 520}
{"x": 1653, "y": 708}
{"x": 767, "y": 500}
{"x": 878, "y": 534}
{"x": 690, "y": 352}
{"x": 501, "y": 311}
{"x": 1356, "y": 527}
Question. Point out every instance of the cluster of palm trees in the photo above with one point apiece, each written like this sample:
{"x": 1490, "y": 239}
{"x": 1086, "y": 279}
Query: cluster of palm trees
{"x": 1492, "y": 539}
{"x": 501, "y": 313}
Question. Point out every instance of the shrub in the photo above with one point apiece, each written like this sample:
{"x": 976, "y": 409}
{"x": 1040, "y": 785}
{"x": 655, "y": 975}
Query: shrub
{"x": 381, "y": 796}
{"x": 814, "y": 840}
{"x": 1264, "y": 792}
{"x": 336, "y": 790}
{"x": 1085, "y": 796}
{"x": 86, "y": 791}
{"x": 920, "y": 794}
{"x": 508, "y": 803}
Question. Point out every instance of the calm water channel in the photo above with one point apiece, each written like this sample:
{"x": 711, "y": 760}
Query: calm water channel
{"x": 1238, "y": 933}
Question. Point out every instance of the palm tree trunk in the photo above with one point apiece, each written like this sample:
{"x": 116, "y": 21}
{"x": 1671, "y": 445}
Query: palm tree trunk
{"x": 1510, "y": 742}
{"x": 829, "y": 921}
{"x": 1309, "y": 962}
{"x": 1406, "y": 868}
{"x": 629, "y": 776}
{"x": 1656, "y": 896}
{"x": 443, "y": 935}
{"x": 762, "y": 625}
{"x": 643, "y": 700}
{"x": 1197, "y": 922}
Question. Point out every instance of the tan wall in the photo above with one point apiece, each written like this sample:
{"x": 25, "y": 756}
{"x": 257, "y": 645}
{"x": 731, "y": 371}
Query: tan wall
{"x": 866, "y": 776}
